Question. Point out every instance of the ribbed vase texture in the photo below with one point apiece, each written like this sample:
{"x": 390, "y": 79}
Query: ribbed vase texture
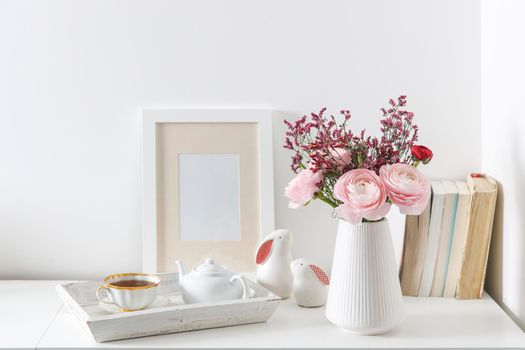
{"x": 364, "y": 295}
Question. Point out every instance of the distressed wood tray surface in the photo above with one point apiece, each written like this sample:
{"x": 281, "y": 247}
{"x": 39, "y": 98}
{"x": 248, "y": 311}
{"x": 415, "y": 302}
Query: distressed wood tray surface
{"x": 80, "y": 299}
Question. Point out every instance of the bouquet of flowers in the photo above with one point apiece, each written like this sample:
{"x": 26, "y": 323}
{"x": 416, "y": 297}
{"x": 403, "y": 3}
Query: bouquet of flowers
{"x": 358, "y": 175}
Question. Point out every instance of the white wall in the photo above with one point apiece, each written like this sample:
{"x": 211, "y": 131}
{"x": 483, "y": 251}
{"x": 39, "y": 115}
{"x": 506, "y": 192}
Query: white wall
{"x": 503, "y": 116}
{"x": 76, "y": 75}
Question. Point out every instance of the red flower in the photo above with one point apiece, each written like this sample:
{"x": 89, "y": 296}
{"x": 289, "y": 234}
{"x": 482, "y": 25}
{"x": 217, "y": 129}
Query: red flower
{"x": 421, "y": 153}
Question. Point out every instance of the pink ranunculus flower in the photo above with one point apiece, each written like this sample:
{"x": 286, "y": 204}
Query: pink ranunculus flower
{"x": 407, "y": 187}
{"x": 342, "y": 157}
{"x": 303, "y": 187}
{"x": 363, "y": 195}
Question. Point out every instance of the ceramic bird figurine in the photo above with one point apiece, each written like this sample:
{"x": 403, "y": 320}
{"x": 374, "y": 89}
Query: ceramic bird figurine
{"x": 310, "y": 284}
{"x": 273, "y": 260}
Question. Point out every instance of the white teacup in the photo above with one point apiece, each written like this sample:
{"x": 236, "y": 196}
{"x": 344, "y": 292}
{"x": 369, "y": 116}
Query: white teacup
{"x": 130, "y": 291}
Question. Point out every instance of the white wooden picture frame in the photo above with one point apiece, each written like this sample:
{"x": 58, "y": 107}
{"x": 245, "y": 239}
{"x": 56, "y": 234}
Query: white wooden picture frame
{"x": 153, "y": 119}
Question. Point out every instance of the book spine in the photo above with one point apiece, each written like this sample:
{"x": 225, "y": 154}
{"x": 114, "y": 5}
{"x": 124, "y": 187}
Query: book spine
{"x": 475, "y": 257}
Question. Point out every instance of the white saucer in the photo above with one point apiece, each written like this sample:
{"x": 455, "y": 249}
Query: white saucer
{"x": 160, "y": 301}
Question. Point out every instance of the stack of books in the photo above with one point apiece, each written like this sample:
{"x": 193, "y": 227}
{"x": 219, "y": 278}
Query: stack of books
{"x": 446, "y": 247}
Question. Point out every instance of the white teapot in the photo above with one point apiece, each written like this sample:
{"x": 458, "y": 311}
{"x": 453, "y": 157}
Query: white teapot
{"x": 210, "y": 282}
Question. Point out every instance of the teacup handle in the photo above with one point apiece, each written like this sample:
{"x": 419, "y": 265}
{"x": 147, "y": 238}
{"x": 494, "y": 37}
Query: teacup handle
{"x": 245, "y": 292}
{"x": 101, "y": 298}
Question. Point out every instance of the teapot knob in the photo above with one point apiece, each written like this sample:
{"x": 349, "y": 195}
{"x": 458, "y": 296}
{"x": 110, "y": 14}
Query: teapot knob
{"x": 209, "y": 261}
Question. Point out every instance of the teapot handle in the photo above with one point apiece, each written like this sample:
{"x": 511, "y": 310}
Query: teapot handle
{"x": 245, "y": 292}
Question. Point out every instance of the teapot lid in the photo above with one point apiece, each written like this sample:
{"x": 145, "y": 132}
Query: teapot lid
{"x": 211, "y": 268}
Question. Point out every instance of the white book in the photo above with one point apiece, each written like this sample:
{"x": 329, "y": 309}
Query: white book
{"x": 445, "y": 238}
{"x": 458, "y": 239}
{"x": 436, "y": 214}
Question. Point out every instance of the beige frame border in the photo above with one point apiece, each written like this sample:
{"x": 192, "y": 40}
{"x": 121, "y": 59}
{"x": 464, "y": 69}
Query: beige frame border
{"x": 152, "y": 117}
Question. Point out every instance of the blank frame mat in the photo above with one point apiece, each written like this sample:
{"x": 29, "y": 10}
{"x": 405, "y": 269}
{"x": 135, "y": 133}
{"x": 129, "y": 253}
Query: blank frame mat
{"x": 176, "y": 141}
{"x": 209, "y": 208}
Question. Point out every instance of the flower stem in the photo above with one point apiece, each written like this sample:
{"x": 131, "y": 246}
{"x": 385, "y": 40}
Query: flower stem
{"x": 326, "y": 200}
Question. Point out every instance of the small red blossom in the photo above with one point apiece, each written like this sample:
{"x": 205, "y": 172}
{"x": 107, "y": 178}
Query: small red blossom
{"x": 421, "y": 153}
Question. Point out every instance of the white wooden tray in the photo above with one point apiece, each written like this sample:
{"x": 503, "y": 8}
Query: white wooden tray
{"x": 80, "y": 299}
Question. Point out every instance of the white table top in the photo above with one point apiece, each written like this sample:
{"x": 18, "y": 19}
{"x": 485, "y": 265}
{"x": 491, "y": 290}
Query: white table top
{"x": 430, "y": 323}
{"x": 26, "y": 310}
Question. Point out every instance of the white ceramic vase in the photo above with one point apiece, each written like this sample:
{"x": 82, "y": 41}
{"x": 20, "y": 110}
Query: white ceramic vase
{"x": 364, "y": 295}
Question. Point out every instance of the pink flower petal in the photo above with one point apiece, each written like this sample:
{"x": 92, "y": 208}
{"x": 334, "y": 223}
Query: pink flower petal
{"x": 302, "y": 188}
{"x": 347, "y": 213}
{"x": 363, "y": 194}
{"x": 407, "y": 187}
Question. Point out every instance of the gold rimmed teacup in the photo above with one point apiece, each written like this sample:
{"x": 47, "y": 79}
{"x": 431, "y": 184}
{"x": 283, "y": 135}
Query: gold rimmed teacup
{"x": 129, "y": 291}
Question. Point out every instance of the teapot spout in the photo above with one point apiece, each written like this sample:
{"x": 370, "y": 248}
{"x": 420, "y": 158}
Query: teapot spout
{"x": 181, "y": 267}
